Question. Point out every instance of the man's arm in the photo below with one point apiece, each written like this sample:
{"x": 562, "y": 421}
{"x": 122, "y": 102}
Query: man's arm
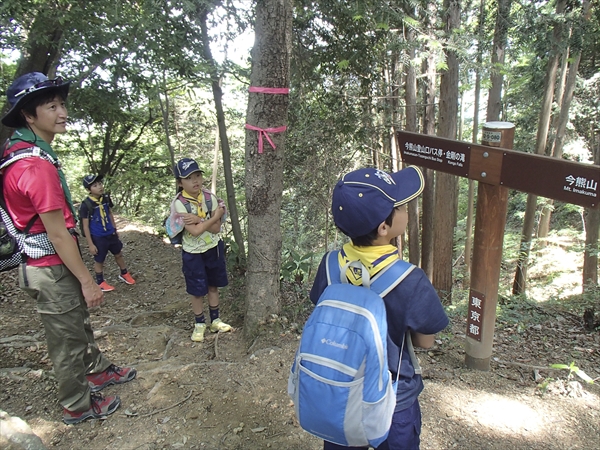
{"x": 66, "y": 248}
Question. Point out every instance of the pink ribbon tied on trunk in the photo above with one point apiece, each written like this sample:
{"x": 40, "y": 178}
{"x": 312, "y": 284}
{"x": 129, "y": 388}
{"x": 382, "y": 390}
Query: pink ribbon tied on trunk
{"x": 266, "y": 131}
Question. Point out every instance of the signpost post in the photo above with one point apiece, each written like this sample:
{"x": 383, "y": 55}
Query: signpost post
{"x": 497, "y": 167}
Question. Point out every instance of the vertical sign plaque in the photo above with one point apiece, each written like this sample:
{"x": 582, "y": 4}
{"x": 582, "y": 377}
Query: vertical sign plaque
{"x": 475, "y": 315}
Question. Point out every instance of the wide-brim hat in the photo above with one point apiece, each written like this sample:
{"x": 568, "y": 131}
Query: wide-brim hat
{"x": 363, "y": 199}
{"x": 26, "y": 87}
{"x": 88, "y": 180}
{"x": 185, "y": 167}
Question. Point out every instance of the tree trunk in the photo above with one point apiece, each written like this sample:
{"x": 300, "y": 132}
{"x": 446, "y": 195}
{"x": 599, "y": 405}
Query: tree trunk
{"x": 520, "y": 281}
{"x": 474, "y": 138}
{"x": 264, "y": 171}
{"x": 563, "y": 117}
{"x": 226, "y": 151}
{"x": 428, "y": 198}
{"x": 414, "y": 251}
{"x": 496, "y": 76}
{"x": 446, "y": 185}
{"x": 592, "y": 223}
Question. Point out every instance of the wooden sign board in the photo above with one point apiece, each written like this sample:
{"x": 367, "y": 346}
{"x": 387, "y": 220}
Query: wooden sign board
{"x": 554, "y": 178}
{"x": 435, "y": 153}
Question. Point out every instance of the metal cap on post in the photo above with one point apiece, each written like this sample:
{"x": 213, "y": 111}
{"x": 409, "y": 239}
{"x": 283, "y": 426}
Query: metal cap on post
{"x": 490, "y": 221}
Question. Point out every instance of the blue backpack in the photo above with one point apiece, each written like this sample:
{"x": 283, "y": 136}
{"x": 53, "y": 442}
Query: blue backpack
{"x": 340, "y": 382}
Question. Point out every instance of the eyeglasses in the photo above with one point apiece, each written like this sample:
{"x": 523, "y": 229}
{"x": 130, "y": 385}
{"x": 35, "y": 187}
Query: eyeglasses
{"x": 42, "y": 84}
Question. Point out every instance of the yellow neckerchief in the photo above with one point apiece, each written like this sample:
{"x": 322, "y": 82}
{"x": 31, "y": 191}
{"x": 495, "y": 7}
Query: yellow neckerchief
{"x": 374, "y": 258}
{"x": 198, "y": 200}
{"x": 103, "y": 217}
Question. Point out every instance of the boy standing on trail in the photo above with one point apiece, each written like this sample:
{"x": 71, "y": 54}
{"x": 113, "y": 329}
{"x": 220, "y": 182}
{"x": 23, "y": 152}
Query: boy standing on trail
{"x": 36, "y": 191}
{"x": 203, "y": 254}
{"x": 369, "y": 206}
{"x": 100, "y": 230}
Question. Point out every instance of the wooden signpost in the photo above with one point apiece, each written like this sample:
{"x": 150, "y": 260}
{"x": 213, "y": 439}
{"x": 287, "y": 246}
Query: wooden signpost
{"x": 497, "y": 168}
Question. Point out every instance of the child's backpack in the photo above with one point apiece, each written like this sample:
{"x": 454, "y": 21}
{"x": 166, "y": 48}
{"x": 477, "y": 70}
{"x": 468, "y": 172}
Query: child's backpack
{"x": 17, "y": 245}
{"x": 174, "y": 223}
{"x": 90, "y": 204}
{"x": 340, "y": 382}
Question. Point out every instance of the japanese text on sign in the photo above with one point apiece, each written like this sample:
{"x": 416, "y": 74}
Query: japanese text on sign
{"x": 581, "y": 185}
{"x": 475, "y": 315}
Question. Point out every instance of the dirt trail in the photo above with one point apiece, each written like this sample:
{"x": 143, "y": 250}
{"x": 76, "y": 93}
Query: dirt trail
{"x": 220, "y": 395}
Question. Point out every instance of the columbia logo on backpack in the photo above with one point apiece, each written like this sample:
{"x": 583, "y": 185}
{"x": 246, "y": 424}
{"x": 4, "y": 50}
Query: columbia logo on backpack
{"x": 343, "y": 391}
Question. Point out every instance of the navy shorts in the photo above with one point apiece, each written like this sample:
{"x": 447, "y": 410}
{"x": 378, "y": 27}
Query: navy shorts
{"x": 104, "y": 244}
{"x": 202, "y": 270}
{"x": 405, "y": 432}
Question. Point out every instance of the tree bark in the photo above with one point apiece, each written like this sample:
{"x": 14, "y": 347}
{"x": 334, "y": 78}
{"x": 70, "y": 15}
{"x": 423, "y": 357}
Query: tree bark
{"x": 563, "y": 117}
{"x": 264, "y": 171}
{"x": 414, "y": 250}
{"x": 428, "y": 198}
{"x": 520, "y": 281}
{"x": 494, "y": 107}
{"x": 446, "y": 186}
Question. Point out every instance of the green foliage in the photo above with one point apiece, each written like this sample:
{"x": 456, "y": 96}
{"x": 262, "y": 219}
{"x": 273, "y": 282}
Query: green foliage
{"x": 573, "y": 370}
{"x": 295, "y": 267}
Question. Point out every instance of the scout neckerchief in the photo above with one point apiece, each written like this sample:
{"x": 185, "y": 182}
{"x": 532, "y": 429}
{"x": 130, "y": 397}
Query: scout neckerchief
{"x": 26, "y": 135}
{"x": 197, "y": 200}
{"x": 103, "y": 217}
{"x": 374, "y": 258}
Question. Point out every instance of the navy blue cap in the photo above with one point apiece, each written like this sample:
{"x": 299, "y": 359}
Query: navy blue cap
{"x": 25, "y": 87}
{"x": 363, "y": 199}
{"x": 88, "y": 180}
{"x": 185, "y": 167}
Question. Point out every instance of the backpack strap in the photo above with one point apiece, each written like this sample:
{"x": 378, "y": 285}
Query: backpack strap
{"x": 22, "y": 150}
{"x": 185, "y": 202}
{"x": 208, "y": 201}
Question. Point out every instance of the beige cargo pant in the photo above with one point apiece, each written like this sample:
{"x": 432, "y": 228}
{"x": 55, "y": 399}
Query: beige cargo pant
{"x": 69, "y": 335}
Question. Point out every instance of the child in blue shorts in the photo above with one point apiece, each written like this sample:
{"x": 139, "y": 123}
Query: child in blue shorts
{"x": 100, "y": 230}
{"x": 203, "y": 254}
{"x": 369, "y": 206}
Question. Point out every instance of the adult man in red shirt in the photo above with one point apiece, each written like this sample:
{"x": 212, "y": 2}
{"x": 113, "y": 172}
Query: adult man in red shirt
{"x": 35, "y": 187}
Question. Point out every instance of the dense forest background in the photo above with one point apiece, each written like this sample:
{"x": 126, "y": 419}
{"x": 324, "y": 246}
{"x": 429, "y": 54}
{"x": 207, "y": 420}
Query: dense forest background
{"x": 157, "y": 80}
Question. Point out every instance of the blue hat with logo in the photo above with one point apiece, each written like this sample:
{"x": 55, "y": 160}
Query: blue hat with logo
{"x": 185, "y": 167}
{"x": 363, "y": 199}
{"x": 88, "y": 180}
{"x": 26, "y": 87}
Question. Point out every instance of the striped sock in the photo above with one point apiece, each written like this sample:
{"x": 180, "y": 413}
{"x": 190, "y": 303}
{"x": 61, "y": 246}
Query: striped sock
{"x": 214, "y": 312}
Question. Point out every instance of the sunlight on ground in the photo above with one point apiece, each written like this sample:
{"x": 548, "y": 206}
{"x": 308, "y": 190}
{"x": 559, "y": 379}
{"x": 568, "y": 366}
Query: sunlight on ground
{"x": 131, "y": 226}
{"x": 556, "y": 270}
{"x": 505, "y": 415}
{"x": 496, "y": 413}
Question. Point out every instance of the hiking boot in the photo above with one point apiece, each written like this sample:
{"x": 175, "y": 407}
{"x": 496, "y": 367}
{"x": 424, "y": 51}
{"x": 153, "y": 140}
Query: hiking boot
{"x": 100, "y": 408}
{"x": 106, "y": 287}
{"x": 112, "y": 375}
{"x": 218, "y": 325}
{"x": 198, "y": 334}
{"x": 127, "y": 278}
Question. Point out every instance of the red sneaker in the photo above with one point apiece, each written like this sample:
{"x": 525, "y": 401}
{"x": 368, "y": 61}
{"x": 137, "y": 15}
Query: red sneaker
{"x": 112, "y": 375}
{"x": 100, "y": 408}
{"x": 106, "y": 287}
{"x": 127, "y": 278}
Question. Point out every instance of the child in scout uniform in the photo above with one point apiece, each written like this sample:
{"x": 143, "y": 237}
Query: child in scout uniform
{"x": 36, "y": 192}
{"x": 100, "y": 231}
{"x": 203, "y": 251}
{"x": 369, "y": 206}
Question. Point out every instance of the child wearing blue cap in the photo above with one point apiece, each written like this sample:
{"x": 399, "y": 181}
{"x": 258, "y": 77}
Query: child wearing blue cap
{"x": 38, "y": 199}
{"x": 100, "y": 230}
{"x": 203, "y": 251}
{"x": 369, "y": 206}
